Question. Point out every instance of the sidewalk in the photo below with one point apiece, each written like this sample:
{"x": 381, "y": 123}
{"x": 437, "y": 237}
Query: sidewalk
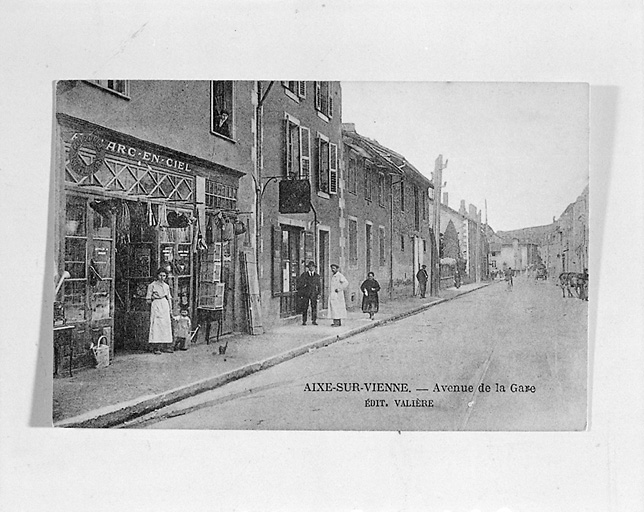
{"x": 138, "y": 383}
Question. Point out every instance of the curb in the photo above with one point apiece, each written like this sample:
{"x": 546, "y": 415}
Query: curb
{"x": 120, "y": 413}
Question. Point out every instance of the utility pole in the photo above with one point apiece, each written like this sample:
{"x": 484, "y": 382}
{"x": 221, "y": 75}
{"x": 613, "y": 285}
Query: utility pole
{"x": 438, "y": 184}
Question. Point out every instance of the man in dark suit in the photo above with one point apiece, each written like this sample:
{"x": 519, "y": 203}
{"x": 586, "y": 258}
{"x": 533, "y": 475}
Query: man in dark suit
{"x": 308, "y": 291}
{"x": 422, "y": 277}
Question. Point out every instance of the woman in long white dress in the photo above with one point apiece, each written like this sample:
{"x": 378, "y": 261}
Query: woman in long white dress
{"x": 160, "y": 301}
{"x": 337, "y": 304}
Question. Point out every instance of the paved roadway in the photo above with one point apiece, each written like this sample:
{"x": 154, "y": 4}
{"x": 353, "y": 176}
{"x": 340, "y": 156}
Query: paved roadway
{"x": 529, "y": 337}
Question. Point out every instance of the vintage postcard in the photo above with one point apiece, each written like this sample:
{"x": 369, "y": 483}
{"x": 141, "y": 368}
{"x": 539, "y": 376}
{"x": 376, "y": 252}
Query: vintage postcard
{"x": 319, "y": 255}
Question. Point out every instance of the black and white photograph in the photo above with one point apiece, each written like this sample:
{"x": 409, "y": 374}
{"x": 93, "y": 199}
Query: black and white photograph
{"x": 408, "y": 280}
{"x": 315, "y": 266}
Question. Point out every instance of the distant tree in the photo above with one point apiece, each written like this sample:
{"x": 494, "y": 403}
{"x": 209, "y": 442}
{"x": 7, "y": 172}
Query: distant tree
{"x": 451, "y": 248}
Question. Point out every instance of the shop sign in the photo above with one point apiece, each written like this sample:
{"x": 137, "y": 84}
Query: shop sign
{"x": 90, "y": 141}
{"x": 100, "y": 146}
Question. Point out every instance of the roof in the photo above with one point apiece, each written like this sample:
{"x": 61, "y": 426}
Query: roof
{"x": 369, "y": 148}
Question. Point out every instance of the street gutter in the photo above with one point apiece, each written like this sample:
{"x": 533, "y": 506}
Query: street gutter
{"x": 120, "y": 413}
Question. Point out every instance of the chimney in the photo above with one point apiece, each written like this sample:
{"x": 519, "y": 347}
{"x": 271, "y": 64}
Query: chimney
{"x": 349, "y": 127}
{"x": 461, "y": 210}
{"x": 445, "y": 198}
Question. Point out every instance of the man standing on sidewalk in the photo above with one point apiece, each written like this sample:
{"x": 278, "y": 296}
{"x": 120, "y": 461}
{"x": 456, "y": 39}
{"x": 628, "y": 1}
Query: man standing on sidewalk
{"x": 337, "y": 305}
{"x": 422, "y": 277}
{"x": 308, "y": 291}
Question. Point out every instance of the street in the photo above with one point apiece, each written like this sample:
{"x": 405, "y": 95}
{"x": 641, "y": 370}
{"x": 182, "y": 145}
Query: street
{"x": 489, "y": 360}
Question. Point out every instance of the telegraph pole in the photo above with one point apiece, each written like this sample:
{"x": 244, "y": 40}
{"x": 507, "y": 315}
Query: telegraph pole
{"x": 438, "y": 184}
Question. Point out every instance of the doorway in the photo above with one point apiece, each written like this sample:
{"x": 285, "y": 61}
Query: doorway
{"x": 144, "y": 244}
{"x": 290, "y": 269}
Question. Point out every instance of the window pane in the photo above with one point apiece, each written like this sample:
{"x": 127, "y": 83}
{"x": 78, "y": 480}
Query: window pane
{"x": 75, "y": 249}
{"x": 74, "y": 301}
{"x": 222, "y": 107}
{"x": 75, "y": 216}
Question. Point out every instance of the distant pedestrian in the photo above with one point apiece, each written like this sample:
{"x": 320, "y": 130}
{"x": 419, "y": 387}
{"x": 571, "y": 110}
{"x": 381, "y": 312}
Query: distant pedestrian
{"x": 160, "y": 300}
{"x": 422, "y": 277}
{"x": 182, "y": 327}
{"x": 337, "y": 305}
{"x": 370, "y": 288}
{"x": 308, "y": 291}
{"x": 508, "y": 278}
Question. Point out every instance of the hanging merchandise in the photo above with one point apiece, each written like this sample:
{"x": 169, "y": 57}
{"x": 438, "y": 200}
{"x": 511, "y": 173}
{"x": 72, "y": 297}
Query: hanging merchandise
{"x": 198, "y": 243}
{"x": 163, "y": 216}
{"x": 177, "y": 220}
{"x": 240, "y": 227}
{"x": 228, "y": 230}
{"x": 152, "y": 220}
{"x": 106, "y": 208}
{"x": 209, "y": 231}
{"x": 123, "y": 221}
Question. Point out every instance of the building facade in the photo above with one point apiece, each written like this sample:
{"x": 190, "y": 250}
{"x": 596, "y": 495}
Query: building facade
{"x": 387, "y": 217}
{"x": 299, "y": 140}
{"x": 147, "y": 175}
{"x": 565, "y": 246}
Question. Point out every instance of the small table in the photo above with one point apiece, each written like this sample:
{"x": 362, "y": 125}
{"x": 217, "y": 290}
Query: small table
{"x": 209, "y": 315}
{"x": 62, "y": 339}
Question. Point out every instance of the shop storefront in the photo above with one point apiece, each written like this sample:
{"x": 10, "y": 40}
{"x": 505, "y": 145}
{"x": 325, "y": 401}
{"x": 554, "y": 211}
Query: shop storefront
{"x": 293, "y": 246}
{"x": 125, "y": 208}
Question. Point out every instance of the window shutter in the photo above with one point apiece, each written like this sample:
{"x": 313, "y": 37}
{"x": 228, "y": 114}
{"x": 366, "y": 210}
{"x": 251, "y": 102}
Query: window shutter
{"x": 317, "y": 96}
{"x": 319, "y": 162}
{"x": 305, "y": 152}
{"x": 287, "y": 148}
{"x": 276, "y": 255}
{"x": 330, "y": 103}
{"x": 301, "y": 89}
{"x": 333, "y": 169}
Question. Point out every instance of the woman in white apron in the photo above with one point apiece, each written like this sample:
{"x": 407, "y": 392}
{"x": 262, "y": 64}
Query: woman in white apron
{"x": 160, "y": 301}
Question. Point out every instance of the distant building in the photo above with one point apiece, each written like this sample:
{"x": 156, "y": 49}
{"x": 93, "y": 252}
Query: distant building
{"x": 561, "y": 246}
{"x": 565, "y": 247}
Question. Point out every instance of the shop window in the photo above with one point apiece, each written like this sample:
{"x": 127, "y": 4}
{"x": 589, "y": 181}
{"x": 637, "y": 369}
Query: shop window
{"x": 222, "y": 108}
{"x": 219, "y": 195}
{"x": 75, "y": 292}
{"x": 75, "y": 215}
{"x": 119, "y": 86}
{"x": 75, "y": 253}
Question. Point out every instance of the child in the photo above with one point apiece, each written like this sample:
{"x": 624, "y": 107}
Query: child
{"x": 183, "y": 324}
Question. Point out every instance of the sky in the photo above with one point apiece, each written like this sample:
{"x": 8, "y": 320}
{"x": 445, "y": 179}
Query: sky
{"x": 523, "y": 147}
